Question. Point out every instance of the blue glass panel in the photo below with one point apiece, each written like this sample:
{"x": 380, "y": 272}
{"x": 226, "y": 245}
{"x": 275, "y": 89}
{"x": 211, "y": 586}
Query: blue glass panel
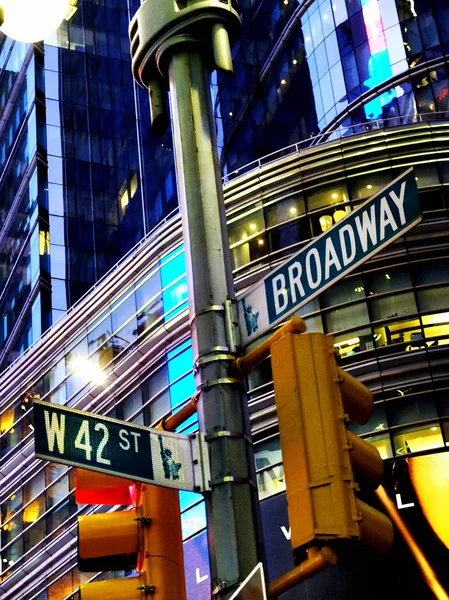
{"x": 175, "y": 368}
{"x": 186, "y": 499}
{"x": 380, "y": 70}
{"x": 180, "y": 361}
{"x": 193, "y": 520}
{"x": 189, "y": 426}
{"x": 172, "y": 267}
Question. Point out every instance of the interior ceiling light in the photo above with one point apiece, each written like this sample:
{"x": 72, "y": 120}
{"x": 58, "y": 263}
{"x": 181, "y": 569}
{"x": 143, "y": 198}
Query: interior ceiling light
{"x": 334, "y": 195}
{"x": 349, "y": 342}
{"x": 369, "y": 186}
{"x": 326, "y": 222}
{"x": 34, "y": 20}
{"x": 339, "y": 215}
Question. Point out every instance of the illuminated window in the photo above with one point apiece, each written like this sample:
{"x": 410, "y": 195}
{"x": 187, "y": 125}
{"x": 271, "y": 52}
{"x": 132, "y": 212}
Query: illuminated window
{"x": 193, "y": 520}
{"x": 270, "y": 481}
{"x": 270, "y": 471}
{"x": 437, "y": 326}
{"x": 383, "y": 443}
{"x": 180, "y": 363}
{"x": 354, "y": 342}
{"x": 327, "y": 195}
{"x": 284, "y": 210}
{"x": 367, "y": 185}
{"x": 418, "y": 439}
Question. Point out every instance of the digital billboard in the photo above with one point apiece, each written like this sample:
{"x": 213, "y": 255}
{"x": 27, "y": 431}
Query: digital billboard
{"x": 418, "y": 487}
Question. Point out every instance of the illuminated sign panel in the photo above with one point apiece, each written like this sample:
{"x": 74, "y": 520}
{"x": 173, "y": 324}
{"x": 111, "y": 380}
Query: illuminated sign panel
{"x": 419, "y": 487}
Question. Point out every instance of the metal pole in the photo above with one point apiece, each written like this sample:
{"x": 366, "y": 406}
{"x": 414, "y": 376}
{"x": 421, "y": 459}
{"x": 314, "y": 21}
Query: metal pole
{"x": 317, "y": 560}
{"x": 222, "y": 403}
{"x": 174, "y": 46}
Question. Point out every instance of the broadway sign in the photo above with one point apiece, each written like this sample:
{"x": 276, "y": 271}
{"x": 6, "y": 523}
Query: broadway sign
{"x": 389, "y": 214}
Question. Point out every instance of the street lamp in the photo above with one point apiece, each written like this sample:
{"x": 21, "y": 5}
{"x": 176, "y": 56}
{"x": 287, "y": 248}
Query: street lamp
{"x": 33, "y": 20}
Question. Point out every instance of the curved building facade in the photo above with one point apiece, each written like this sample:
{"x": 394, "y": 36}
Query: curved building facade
{"x": 389, "y": 319}
{"x": 330, "y": 102}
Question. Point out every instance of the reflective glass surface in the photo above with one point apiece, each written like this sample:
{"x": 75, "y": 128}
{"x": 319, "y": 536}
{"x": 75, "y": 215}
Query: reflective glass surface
{"x": 323, "y": 74}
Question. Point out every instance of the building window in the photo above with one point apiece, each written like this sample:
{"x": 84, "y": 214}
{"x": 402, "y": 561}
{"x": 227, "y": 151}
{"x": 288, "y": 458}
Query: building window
{"x": 346, "y": 317}
{"x": 418, "y": 438}
{"x": 397, "y": 305}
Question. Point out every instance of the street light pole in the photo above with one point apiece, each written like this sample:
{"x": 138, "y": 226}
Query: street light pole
{"x": 170, "y": 43}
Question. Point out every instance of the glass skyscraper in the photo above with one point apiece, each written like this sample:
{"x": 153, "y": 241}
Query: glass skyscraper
{"x": 330, "y": 101}
{"x": 82, "y": 179}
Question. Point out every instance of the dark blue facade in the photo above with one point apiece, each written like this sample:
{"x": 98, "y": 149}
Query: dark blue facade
{"x": 309, "y": 68}
{"x": 81, "y": 178}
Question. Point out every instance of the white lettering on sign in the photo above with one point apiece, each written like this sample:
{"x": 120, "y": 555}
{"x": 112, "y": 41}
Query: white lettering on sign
{"x": 280, "y": 293}
{"x": 55, "y": 431}
{"x": 294, "y": 275}
{"x": 199, "y": 579}
{"x": 313, "y": 283}
{"x": 102, "y": 444}
{"x": 331, "y": 259}
{"x": 136, "y": 436}
{"x": 386, "y": 218}
{"x": 347, "y": 257}
{"x": 123, "y": 435}
{"x": 399, "y": 202}
{"x": 82, "y": 440}
{"x": 287, "y": 532}
{"x": 367, "y": 227}
{"x": 399, "y": 502}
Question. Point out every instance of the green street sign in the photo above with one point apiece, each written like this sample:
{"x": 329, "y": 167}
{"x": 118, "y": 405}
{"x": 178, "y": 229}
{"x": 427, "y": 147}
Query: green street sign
{"x": 387, "y": 215}
{"x": 81, "y": 439}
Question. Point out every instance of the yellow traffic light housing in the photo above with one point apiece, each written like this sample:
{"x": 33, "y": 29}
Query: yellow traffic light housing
{"x": 323, "y": 461}
{"x": 108, "y": 541}
{"x": 147, "y": 538}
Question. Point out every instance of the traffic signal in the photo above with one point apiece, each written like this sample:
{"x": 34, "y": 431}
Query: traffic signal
{"x": 324, "y": 463}
{"x": 146, "y": 538}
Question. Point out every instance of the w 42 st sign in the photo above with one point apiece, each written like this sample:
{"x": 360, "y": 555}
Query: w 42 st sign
{"x": 81, "y": 439}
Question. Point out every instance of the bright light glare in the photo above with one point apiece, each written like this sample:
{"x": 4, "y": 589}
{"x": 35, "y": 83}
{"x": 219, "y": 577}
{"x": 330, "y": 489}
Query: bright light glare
{"x": 32, "y": 20}
{"x": 91, "y": 372}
